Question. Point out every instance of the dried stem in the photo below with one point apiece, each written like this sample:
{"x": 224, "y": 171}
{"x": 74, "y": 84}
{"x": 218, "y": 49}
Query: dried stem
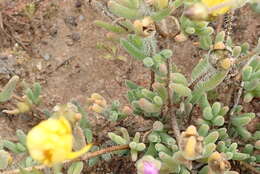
{"x": 248, "y": 166}
{"x": 85, "y": 157}
{"x": 174, "y": 123}
{"x": 152, "y": 80}
{"x": 219, "y": 24}
{"x": 20, "y": 99}
{"x": 97, "y": 5}
{"x": 236, "y": 102}
{"x": 175, "y": 126}
{"x": 103, "y": 151}
{"x": 14, "y": 95}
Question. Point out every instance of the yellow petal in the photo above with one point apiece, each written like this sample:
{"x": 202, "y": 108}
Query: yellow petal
{"x": 85, "y": 149}
{"x": 212, "y": 3}
{"x": 191, "y": 130}
{"x": 189, "y": 151}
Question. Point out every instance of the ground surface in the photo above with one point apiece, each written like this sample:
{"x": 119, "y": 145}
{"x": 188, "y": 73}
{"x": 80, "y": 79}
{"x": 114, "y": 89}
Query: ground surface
{"x": 57, "y": 47}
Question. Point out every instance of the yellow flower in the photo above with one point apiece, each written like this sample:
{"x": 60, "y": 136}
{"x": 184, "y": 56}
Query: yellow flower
{"x": 50, "y": 142}
{"x": 212, "y": 3}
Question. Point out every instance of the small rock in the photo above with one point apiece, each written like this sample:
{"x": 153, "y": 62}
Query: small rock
{"x": 53, "y": 31}
{"x": 70, "y": 21}
{"x": 74, "y": 36}
{"x": 44, "y": 42}
{"x": 78, "y": 4}
{"x": 46, "y": 56}
{"x": 39, "y": 66}
{"x": 69, "y": 42}
{"x": 7, "y": 63}
{"x": 81, "y": 18}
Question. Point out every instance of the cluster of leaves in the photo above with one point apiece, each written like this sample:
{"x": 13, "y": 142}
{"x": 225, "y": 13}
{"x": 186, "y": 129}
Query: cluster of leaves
{"x": 251, "y": 76}
{"x": 215, "y": 127}
{"x": 81, "y": 130}
{"x": 212, "y": 144}
{"x": 30, "y": 99}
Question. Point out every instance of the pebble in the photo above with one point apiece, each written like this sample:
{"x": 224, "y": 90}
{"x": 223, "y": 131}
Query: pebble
{"x": 70, "y": 21}
{"x": 7, "y": 63}
{"x": 53, "y": 31}
{"x": 74, "y": 36}
{"x": 46, "y": 56}
{"x": 69, "y": 42}
{"x": 81, "y": 18}
{"x": 39, "y": 66}
{"x": 78, "y": 4}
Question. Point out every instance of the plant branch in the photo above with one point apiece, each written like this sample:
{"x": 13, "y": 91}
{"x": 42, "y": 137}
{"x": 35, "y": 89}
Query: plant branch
{"x": 248, "y": 166}
{"x": 220, "y": 22}
{"x": 152, "y": 80}
{"x": 103, "y": 151}
{"x": 174, "y": 123}
{"x": 84, "y": 157}
{"x": 236, "y": 102}
{"x": 21, "y": 99}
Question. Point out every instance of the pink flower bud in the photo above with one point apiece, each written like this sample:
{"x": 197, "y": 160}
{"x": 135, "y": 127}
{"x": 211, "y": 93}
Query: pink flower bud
{"x": 148, "y": 165}
{"x": 150, "y": 168}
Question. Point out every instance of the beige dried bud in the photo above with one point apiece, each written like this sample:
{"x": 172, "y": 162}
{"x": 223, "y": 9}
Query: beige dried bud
{"x": 138, "y": 27}
{"x": 97, "y": 103}
{"x": 102, "y": 102}
{"x": 163, "y": 69}
{"x": 180, "y": 37}
{"x": 226, "y": 63}
{"x": 96, "y": 96}
{"x": 197, "y": 11}
{"x": 191, "y": 144}
{"x": 96, "y": 108}
{"x": 219, "y": 46}
{"x": 144, "y": 27}
{"x": 127, "y": 110}
{"x": 149, "y": 2}
{"x": 77, "y": 116}
{"x": 218, "y": 163}
{"x": 111, "y": 36}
